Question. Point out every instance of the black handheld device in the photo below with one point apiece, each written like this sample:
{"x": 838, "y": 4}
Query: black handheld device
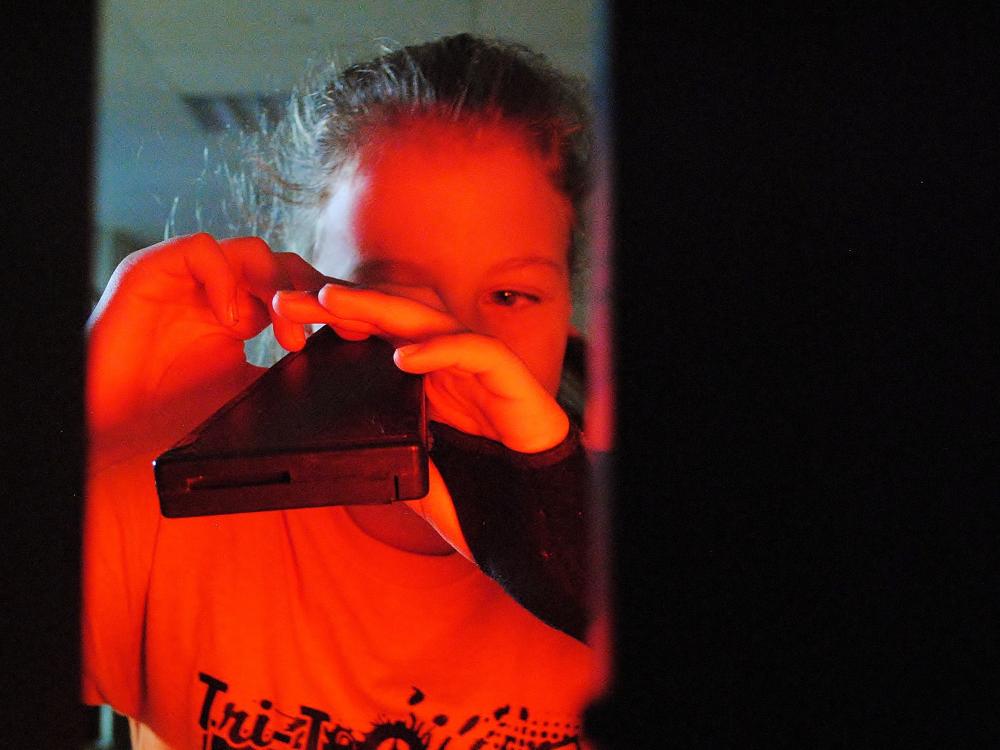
{"x": 336, "y": 423}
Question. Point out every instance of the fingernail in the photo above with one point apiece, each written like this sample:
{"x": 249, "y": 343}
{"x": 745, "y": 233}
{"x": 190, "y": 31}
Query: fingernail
{"x": 408, "y": 350}
{"x": 294, "y": 294}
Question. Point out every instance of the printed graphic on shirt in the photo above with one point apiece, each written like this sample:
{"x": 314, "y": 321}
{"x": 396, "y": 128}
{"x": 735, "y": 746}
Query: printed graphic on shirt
{"x": 229, "y": 726}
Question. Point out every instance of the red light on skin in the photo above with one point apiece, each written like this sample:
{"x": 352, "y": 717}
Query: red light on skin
{"x": 463, "y": 217}
{"x": 165, "y": 342}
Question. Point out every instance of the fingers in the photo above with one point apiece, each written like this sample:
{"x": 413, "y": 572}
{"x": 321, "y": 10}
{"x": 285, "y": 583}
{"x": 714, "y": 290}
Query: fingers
{"x": 356, "y": 313}
{"x": 498, "y": 369}
{"x": 396, "y": 318}
{"x": 238, "y": 278}
{"x": 301, "y": 273}
{"x": 241, "y": 276}
{"x": 204, "y": 260}
{"x": 263, "y": 273}
{"x": 502, "y": 399}
{"x": 304, "y": 307}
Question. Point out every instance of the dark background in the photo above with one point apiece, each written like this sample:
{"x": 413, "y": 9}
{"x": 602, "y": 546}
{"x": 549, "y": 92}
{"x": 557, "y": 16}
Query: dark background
{"x": 807, "y": 463}
{"x": 805, "y": 474}
{"x": 45, "y": 142}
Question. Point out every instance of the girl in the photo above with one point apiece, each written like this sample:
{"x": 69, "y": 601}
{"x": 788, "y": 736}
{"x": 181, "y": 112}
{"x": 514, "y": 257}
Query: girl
{"x": 446, "y": 181}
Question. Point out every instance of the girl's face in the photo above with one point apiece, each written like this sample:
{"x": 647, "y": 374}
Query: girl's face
{"x": 464, "y": 219}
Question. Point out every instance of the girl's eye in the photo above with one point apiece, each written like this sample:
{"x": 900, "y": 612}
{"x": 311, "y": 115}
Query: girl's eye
{"x": 510, "y": 298}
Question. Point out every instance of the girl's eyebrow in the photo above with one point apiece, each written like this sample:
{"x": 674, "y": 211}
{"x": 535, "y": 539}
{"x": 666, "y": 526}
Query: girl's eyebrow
{"x": 376, "y": 270}
{"x": 512, "y": 264}
{"x": 384, "y": 270}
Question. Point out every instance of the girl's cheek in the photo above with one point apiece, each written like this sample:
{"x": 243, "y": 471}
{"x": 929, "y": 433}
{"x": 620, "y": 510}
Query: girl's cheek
{"x": 542, "y": 351}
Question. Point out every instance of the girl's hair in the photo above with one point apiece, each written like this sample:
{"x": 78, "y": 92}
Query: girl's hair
{"x": 285, "y": 172}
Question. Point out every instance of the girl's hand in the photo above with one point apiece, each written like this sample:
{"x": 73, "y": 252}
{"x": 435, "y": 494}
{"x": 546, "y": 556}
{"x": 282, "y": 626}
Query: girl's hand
{"x": 165, "y": 342}
{"x": 473, "y": 382}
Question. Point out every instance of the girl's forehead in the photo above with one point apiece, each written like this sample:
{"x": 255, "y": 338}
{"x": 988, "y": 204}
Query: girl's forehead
{"x": 449, "y": 194}
{"x": 476, "y": 168}
{"x": 433, "y": 141}
{"x": 476, "y": 198}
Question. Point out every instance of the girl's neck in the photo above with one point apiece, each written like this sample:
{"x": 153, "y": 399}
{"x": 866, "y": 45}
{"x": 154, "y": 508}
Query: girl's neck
{"x": 399, "y": 527}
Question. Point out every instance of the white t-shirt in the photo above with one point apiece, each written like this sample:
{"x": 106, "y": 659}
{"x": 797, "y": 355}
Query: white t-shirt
{"x": 294, "y": 629}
